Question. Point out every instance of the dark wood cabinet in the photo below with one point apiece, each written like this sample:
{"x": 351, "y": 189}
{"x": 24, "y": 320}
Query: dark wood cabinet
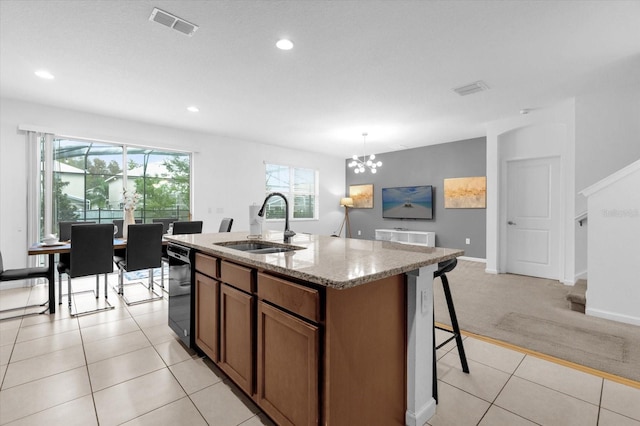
{"x": 236, "y": 336}
{"x": 287, "y": 367}
{"x": 207, "y": 302}
{"x": 306, "y": 354}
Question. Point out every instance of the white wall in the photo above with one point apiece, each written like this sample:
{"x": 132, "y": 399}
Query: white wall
{"x": 228, "y": 174}
{"x": 607, "y": 139}
{"x": 541, "y": 133}
{"x": 602, "y": 136}
{"x": 614, "y": 250}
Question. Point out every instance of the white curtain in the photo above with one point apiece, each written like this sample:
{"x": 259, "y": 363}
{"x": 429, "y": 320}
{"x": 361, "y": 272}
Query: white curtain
{"x": 36, "y": 163}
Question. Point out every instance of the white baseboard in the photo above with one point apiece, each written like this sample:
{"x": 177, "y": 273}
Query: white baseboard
{"x": 612, "y": 316}
{"x": 581, "y": 276}
{"x": 473, "y": 259}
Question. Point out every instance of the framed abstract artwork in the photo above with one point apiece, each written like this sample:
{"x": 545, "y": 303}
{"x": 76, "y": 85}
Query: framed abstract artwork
{"x": 465, "y": 193}
{"x": 362, "y": 196}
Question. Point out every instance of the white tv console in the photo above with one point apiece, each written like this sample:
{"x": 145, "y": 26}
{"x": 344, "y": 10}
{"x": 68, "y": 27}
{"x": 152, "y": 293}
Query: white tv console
{"x": 421, "y": 238}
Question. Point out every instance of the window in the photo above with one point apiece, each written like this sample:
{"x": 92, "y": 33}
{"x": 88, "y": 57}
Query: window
{"x": 299, "y": 185}
{"x": 89, "y": 178}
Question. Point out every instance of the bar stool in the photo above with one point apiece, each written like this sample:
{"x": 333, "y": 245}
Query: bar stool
{"x": 443, "y": 268}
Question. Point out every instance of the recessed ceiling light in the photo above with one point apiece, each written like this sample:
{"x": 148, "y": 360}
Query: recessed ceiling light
{"x": 284, "y": 44}
{"x": 193, "y": 109}
{"x": 44, "y": 74}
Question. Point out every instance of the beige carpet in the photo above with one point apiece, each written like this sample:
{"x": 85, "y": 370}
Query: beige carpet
{"x": 533, "y": 313}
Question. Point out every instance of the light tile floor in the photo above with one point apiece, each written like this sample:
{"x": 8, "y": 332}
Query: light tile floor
{"x": 125, "y": 366}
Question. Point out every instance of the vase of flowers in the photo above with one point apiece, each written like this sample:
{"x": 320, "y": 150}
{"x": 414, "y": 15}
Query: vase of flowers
{"x": 131, "y": 200}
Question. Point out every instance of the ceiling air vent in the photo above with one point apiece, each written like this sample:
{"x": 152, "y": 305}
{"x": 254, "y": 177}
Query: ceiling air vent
{"x": 172, "y": 21}
{"x": 469, "y": 89}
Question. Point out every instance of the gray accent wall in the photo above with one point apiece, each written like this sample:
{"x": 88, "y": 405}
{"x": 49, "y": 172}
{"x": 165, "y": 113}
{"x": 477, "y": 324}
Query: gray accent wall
{"x": 428, "y": 165}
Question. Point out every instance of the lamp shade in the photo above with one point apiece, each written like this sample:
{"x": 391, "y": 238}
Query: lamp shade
{"x": 346, "y": 202}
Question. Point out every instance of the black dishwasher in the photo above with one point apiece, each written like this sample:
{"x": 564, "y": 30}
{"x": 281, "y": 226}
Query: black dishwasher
{"x": 181, "y": 297}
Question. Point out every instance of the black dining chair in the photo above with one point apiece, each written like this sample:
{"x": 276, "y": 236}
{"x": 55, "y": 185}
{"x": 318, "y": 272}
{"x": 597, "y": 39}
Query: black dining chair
{"x": 91, "y": 254}
{"x": 166, "y": 222}
{"x": 181, "y": 228}
{"x": 187, "y": 227}
{"x": 225, "y": 224}
{"x": 64, "y": 234}
{"x": 23, "y": 274}
{"x": 144, "y": 251}
{"x": 120, "y": 229}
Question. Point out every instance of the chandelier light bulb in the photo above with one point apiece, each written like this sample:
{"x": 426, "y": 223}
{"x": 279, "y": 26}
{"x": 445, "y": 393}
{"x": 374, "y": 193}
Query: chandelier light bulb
{"x": 360, "y": 164}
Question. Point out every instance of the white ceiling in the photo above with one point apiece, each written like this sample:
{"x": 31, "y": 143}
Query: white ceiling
{"x": 384, "y": 67}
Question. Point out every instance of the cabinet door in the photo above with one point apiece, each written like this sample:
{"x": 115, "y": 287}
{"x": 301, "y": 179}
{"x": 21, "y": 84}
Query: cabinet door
{"x": 207, "y": 315}
{"x": 236, "y": 332}
{"x": 287, "y": 367}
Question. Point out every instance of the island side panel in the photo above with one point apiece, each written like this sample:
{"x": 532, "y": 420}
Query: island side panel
{"x": 365, "y": 354}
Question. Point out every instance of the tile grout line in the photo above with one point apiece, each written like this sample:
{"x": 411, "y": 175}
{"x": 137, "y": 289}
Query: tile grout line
{"x": 86, "y": 364}
{"x": 511, "y": 375}
{"x": 573, "y": 365}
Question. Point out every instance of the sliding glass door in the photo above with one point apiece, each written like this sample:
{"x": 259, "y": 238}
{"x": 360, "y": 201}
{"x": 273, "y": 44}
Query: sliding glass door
{"x": 89, "y": 180}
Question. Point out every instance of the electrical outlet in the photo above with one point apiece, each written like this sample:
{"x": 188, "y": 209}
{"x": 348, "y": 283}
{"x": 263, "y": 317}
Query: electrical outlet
{"x": 468, "y": 241}
{"x": 359, "y": 232}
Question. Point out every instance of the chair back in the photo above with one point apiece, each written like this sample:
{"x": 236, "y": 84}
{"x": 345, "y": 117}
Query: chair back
{"x": 91, "y": 249}
{"x": 119, "y": 223}
{"x": 225, "y": 225}
{"x": 144, "y": 246}
{"x": 65, "y": 229}
{"x": 165, "y": 223}
{"x": 187, "y": 227}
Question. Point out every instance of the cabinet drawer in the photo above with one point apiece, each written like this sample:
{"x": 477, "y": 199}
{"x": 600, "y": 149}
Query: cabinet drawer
{"x": 293, "y": 297}
{"x": 238, "y": 276}
{"x": 207, "y": 265}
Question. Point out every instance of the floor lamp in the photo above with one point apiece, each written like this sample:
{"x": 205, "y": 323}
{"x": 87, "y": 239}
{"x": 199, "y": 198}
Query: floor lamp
{"x": 346, "y": 203}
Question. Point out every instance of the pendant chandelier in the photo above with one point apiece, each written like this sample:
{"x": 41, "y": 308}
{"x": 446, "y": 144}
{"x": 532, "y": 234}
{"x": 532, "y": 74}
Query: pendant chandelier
{"x": 360, "y": 166}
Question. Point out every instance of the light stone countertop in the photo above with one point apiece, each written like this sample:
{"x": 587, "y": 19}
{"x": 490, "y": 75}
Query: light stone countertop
{"x": 328, "y": 261}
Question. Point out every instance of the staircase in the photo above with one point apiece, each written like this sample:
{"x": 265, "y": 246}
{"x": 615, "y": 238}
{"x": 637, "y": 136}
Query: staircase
{"x": 577, "y": 296}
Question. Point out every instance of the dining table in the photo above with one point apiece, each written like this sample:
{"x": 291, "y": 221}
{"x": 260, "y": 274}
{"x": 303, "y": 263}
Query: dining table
{"x": 57, "y": 248}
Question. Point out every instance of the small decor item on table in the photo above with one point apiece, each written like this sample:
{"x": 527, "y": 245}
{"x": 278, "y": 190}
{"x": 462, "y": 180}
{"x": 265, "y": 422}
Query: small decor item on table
{"x": 50, "y": 239}
{"x": 130, "y": 202}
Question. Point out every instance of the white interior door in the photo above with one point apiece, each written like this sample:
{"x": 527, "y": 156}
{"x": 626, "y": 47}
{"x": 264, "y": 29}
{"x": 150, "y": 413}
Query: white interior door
{"x": 533, "y": 217}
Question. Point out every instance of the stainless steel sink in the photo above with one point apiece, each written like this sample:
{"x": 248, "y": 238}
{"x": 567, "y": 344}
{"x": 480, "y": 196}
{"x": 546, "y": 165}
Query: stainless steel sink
{"x": 258, "y": 247}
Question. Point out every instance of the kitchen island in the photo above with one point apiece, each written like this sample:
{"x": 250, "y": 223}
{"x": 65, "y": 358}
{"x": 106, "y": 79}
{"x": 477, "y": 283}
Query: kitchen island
{"x": 335, "y": 331}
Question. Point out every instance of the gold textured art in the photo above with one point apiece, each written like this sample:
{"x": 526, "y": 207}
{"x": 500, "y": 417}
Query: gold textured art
{"x": 465, "y": 193}
{"x": 362, "y": 196}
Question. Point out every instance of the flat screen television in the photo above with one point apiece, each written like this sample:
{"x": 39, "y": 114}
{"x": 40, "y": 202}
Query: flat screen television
{"x": 408, "y": 202}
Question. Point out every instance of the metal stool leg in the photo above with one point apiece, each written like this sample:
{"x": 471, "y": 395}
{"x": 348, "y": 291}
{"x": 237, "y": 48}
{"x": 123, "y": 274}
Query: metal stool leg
{"x": 69, "y": 290}
{"x": 434, "y": 387}
{"x": 454, "y": 323}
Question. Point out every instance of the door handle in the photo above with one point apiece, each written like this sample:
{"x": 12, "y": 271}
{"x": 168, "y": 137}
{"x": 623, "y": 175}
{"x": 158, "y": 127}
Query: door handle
{"x": 511, "y": 223}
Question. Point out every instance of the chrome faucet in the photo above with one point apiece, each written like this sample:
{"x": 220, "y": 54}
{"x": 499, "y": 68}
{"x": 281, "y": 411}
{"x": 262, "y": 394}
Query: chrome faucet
{"x": 287, "y": 232}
